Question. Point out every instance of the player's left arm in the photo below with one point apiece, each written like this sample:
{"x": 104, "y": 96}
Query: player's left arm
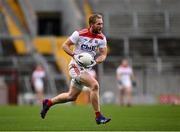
{"x": 118, "y": 75}
{"x": 102, "y": 56}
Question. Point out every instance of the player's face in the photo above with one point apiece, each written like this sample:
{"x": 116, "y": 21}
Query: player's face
{"x": 125, "y": 63}
{"x": 39, "y": 67}
{"x": 97, "y": 27}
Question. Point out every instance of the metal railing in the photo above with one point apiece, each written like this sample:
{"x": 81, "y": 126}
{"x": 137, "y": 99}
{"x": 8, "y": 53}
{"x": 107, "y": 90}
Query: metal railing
{"x": 154, "y": 77}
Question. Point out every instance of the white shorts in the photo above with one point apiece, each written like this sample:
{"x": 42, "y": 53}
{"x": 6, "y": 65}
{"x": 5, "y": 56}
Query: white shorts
{"x": 75, "y": 72}
{"x": 39, "y": 85}
{"x": 125, "y": 85}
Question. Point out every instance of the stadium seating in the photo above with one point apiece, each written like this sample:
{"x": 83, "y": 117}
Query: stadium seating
{"x": 19, "y": 53}
{"x": 147, "y": 32}
{"x": 144, "y": 31}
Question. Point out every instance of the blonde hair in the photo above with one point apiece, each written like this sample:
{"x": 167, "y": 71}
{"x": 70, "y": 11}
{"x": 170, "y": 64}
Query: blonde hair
{"x": 93, "y": 18}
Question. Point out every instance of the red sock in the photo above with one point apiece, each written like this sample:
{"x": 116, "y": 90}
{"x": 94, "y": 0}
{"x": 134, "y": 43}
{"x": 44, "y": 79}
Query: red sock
{"x": 98, "y": 114}
{"x": 50, "y": 103}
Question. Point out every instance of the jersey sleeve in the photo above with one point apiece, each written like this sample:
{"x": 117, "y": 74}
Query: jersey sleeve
{"x": 103, "y": 43}
{"x": 33, "y": 75}
{"x": 74, "y": 37}
{"x": 118, "y": 71}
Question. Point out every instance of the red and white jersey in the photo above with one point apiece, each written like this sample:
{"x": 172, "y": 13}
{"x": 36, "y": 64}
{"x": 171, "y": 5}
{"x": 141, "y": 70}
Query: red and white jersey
{"x": 38, "y": 74}
{"x": 124, "y": 73}
{"x": 87, "y": 42}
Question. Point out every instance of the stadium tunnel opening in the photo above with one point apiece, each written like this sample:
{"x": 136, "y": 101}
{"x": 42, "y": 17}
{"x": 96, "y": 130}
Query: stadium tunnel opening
{"x": 49, "y": 23}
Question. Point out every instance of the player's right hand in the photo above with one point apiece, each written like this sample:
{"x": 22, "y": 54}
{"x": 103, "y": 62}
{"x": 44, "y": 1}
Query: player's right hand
{"x": 76, "y": 58}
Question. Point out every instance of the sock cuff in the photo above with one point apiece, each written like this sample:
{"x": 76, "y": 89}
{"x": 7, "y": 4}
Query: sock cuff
{"x": 50, "y": 103}
{"x": 98, "y": 113}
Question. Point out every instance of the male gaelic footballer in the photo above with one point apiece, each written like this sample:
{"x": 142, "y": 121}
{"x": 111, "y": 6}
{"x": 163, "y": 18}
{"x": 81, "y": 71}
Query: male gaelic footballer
{"x": 89, "y": 40}
{"x": 126, "y": 81}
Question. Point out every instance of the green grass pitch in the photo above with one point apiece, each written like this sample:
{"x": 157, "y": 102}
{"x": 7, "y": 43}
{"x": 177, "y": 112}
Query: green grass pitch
{"x": 71, "y": 118}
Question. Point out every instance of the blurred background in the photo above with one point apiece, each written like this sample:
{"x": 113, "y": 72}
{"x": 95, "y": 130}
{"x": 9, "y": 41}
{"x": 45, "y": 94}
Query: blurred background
{"x": 147, "y": 32}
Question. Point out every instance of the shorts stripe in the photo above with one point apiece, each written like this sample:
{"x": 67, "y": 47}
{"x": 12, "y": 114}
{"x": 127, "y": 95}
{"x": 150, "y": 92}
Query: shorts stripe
{"x": 75, "y": 69}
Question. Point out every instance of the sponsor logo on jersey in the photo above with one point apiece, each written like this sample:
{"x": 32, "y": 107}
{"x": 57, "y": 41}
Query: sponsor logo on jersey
{"x": 88, "y": 48}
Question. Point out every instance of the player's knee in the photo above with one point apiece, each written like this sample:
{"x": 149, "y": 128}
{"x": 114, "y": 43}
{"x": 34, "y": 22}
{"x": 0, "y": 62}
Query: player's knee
{"x": 72, "y": 97}
{"x": 95, "y": 86}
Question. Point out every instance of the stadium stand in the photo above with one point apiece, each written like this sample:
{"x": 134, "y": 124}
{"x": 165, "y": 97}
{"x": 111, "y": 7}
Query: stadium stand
{"x": 22, "y": 49}
{"x": 144, "y": 31}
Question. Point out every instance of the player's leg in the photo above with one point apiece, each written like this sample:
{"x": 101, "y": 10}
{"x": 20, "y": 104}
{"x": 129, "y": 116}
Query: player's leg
{"x": 71, "y": 95}
{"x": 74, "y": 91}
{"x": 39, "y": 95}
{"x": 129, "y": 95}
{"x": 121, "y": 96}
{"x": 92, "y": 83}
{"x": 66, "y": 97}
{"x": 39, "y": 90}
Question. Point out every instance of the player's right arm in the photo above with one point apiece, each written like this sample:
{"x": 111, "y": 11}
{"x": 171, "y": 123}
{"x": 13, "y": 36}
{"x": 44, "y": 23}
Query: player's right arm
{"x": 118, "y": 76}
{"x": 67, "y": 47}
{"x": 69, "y": 42}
